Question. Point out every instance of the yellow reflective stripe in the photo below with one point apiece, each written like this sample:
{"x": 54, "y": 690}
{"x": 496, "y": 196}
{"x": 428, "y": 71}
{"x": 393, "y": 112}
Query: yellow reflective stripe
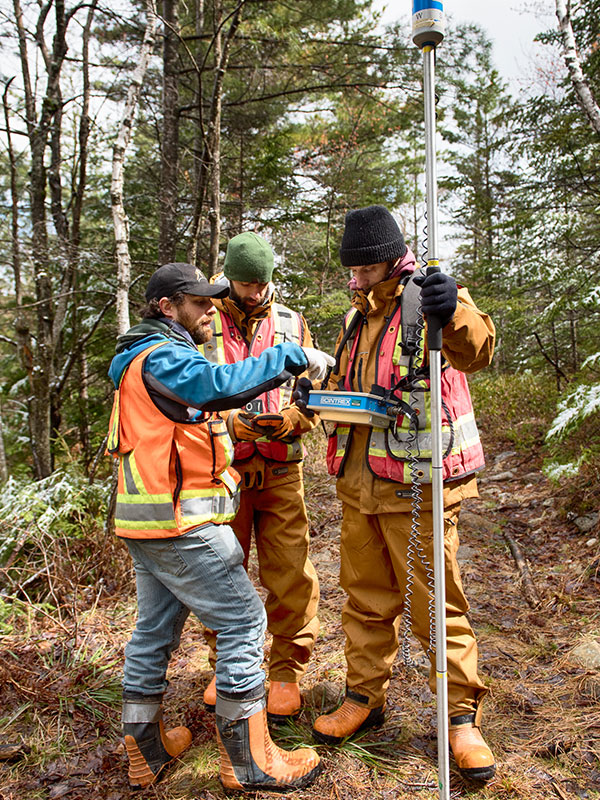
{"x": 347, "y": 321}
{"x": 214, "y": 350}
{"x": 401, "y": 360}
{"x": 218, "y": 335}
{"x": 113, "y": 438}
{"x": 229, "y": 449}
{"x": 230, "y": 481}
{"x": 188, "y": 494}
{"x": 130, "y": 462}
{"x": 141, "y": 499}
{"x": 113, "y": 435}
{"x": 148, "y": 524}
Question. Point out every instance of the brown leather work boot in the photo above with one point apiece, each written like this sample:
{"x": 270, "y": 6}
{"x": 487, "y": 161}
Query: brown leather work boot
{"x": 150, "y": 748}
{"x": 473, "y": 757}
{"x": 285, "y": 702}
{"x": 209, "y": 697}
{"x": 348, "y": 719}
{"x": 250, "y": 760}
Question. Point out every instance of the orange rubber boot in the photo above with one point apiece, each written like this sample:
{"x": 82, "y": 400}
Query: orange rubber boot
{"x": 150, "y": 748}
{"x": 285, "y": 702}
{"x": 250, "y": 760}
{"x": 210, "y": 695}
{"x": 348, "y": 719}
{"x": 473, "y": 757}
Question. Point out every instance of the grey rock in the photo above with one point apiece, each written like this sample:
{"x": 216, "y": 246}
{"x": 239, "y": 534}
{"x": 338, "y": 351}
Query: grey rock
{"x": 586, "y": 654}
{"x": 503, "y": 456}
{"x": 586, "y": 522}
{"x": 508, "y": 475}
{"x": 477, "y": 523}
{"x": 465, "y": 553}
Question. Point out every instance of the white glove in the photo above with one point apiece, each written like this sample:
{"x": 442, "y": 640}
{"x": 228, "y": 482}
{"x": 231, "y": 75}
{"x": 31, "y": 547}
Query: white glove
{"x": 319, "y": 363}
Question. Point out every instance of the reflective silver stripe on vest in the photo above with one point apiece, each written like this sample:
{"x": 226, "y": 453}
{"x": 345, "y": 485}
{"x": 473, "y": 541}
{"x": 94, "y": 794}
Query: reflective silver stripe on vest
{"x": 144, "y": 512}
{"x": 128, "y": 475}
{"x": 466, "y": 434}
{"x": 286, "y": 328}
{"x": 398, "y": 446}
{"x": 203, "y": 506}
{"x": 294, "y": 451}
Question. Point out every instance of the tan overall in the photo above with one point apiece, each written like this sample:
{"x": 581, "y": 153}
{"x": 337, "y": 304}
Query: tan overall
{"x": 376, "y": 525}
{"x": 272, "y": 504}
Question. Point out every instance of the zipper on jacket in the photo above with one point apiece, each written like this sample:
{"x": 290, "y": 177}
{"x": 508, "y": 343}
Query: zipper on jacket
{"x": 214, "y": 453}
{"x": 179, "y": 476}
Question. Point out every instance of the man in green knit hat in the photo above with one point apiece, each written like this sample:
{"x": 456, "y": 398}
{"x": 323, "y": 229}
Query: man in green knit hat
{"x": 268, "y": 455}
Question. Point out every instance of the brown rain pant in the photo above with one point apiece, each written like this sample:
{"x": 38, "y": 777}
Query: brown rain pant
{"x": 373, "y": 574}
{"x": 272, "y": 502}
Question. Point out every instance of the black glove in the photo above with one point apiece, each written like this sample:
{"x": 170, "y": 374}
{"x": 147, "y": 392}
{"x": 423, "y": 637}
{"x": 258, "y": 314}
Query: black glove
{"x": 300, "y": 395}
{"x": 438, "y": 296}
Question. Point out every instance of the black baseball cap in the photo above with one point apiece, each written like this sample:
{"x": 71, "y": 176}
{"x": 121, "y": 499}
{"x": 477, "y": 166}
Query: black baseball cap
{"x": 181, "y": 277}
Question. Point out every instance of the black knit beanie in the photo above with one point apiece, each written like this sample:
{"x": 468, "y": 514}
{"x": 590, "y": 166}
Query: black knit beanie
{"x": 371, "y": 235}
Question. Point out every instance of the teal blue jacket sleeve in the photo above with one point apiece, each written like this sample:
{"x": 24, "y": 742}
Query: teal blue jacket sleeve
{"x": 181, "y": 373}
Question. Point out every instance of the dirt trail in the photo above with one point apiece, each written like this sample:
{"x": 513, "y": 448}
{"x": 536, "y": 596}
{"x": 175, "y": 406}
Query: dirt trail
{"x": 542, "y": 718}
{"x": 532, "y": 580}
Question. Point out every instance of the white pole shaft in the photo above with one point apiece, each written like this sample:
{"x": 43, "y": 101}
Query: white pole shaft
{"x": 439, "y": 561}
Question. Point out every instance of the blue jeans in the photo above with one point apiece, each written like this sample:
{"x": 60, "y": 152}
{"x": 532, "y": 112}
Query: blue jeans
{"x": 201, "y": 571}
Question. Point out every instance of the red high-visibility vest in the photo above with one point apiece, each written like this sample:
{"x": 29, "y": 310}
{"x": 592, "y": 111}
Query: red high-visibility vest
{"x": 389, "y": 451}
{"x": 228, "y": 346}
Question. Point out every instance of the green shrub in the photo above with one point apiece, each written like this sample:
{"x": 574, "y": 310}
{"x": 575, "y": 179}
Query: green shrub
{"x": 515, "y": 409}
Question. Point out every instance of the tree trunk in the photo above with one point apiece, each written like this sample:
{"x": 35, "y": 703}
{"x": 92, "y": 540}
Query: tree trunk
{"x": 167, "y": 242}
{"x": 582, "y": 89}
{"x": 211, "y": 149}
{"x": 119, "y": 215}
{"x": 214, "y": 137}
{"x": 41, "y": 373}
{"x": 3, "y": 465}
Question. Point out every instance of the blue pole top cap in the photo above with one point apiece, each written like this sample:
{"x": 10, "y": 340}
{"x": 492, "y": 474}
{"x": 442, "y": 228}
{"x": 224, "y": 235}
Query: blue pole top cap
{"x": 428, "y": 22}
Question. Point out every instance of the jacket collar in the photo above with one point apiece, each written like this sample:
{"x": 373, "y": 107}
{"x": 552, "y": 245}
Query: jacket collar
{"x": 379, "y": 296}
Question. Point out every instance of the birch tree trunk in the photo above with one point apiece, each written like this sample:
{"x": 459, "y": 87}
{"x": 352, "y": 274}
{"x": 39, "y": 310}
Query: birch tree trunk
{"x": 120, "y": 219}
{"x": 582, "y": 89}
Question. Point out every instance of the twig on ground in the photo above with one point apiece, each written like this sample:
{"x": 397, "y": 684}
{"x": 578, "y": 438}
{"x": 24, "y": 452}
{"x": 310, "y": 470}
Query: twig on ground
{"x": 529, "y": 588}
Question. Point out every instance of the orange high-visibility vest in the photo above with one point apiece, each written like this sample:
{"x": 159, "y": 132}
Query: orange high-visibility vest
{"x": 390, "y": 449}
{"x": 173, "y": 476}
{"x": 228, "y": 346}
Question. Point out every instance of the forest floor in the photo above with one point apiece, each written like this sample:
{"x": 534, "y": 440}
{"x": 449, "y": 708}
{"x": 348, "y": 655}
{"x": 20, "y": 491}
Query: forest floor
{"x": 59, "y": 688}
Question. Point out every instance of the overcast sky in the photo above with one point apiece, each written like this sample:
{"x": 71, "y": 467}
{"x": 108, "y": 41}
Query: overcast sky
{"x": 510, "y": 24}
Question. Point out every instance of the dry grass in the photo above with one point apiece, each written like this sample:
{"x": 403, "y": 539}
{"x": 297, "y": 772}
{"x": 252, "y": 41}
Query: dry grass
{"x": 59, "y": 691}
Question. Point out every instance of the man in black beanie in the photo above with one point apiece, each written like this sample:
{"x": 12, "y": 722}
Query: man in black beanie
{"x": 374, "y": 471}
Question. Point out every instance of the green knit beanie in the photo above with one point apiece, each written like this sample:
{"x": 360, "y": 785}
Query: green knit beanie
{"x": 248, "y": 258}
